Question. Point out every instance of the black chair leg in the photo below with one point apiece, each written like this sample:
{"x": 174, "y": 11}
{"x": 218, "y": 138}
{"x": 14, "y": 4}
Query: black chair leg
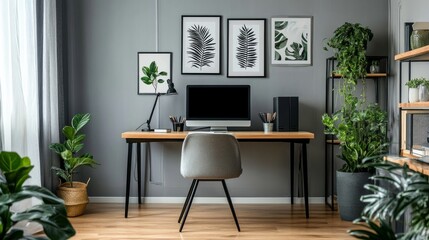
{"x": 230, "y": 204}
{"x": 189, "y": 205}
{"x": 187, "y": 200}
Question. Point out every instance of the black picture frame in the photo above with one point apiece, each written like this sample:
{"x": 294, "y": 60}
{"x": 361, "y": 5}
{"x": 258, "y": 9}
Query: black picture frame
{"x": 201, "y": 55}
{"x": 164, "y": 61}
{"x": 246, "y": 47}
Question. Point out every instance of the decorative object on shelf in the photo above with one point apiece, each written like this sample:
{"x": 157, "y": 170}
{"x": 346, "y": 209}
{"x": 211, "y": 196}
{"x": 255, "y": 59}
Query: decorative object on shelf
{"x": 375, "y": 66}
{"x": 419, "y": 35}
{"x": 424, "y": 90}
{"x": 49, "y": 212}
{"x": 413, "y": 89}
{"x": 361, "y": 128}
{"x": 246, "y": 48}
{"x": 399, "y": 191}
{"x": 201, "y": 44}
{"x": 153, "y": 69}
{"x": 291, "y": 41}
{"x": 73, "y": 193}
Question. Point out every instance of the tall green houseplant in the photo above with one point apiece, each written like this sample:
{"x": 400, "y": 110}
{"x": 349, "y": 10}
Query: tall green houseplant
{"x": 70, "y": 148}
{"x": 359, "y": 126}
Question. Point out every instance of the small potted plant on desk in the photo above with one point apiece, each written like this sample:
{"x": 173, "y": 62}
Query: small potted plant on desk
{"x": 73, "y": 193}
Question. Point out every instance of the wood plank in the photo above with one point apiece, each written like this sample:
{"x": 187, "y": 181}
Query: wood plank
{"x": 210, "y": 221}
{"x": 368, "y": 75}
{"x": 415, "y": 165}
{"x": 414, "y": 105}
{"x": 416, "y": 54}
{"x": 250, "y": 135}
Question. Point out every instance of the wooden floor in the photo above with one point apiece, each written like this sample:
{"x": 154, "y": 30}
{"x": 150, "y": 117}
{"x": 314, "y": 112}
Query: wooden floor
{"x": 210, "y": 221}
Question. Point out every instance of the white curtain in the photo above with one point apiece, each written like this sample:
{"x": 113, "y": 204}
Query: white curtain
{"x": 28, "y": 86}
{"x": 19, "y": 81}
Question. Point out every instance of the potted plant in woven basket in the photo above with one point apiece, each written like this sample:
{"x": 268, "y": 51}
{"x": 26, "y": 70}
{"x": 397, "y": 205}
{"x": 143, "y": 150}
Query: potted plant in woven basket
{"x": 74, "y": 193}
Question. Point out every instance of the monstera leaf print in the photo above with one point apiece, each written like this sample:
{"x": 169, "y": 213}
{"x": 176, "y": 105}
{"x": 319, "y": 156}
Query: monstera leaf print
{"x": 298, "y": 51}
{"x": 201, "y": 48}
{"x": 280, "y": 39}
{"x": 246, "y": 50}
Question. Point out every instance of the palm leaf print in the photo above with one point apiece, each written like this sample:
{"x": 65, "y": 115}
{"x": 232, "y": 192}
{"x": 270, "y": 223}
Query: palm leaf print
{"x": 201, "y": 48}
{"x": 246, "y": 50}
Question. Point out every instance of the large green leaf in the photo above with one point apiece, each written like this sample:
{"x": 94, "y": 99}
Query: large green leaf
{"x": 80, "y": 120}
{"x": 57, "y": 147}
{"x": 17, "y": 178}
{"x": 52, "y": 217}
{"x": 69, "y": 132}
{"x": 10, "y": 161}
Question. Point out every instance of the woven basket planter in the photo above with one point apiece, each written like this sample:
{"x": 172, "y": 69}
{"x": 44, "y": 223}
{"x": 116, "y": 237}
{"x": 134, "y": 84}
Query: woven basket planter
{"x": 75, "y": 199}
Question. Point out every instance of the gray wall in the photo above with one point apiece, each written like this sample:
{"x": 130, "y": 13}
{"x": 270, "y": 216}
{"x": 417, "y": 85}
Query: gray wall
{"x": 104, "y": 37}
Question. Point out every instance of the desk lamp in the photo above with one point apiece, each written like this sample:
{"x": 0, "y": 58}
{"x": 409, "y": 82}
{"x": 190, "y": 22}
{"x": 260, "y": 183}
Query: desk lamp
{"x": 171, "y": 91}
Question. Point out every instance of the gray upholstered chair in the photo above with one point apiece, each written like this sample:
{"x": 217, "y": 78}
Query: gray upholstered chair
{"x": 209, "y": 157}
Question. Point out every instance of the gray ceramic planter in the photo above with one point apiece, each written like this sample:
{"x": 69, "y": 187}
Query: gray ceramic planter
{"x": 349, "y": 190}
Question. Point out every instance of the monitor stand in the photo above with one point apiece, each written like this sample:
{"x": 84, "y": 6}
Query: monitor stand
{"x": 218, "y": 129}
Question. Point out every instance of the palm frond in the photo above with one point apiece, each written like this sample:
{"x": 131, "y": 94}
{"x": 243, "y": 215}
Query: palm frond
{"x": 246, "y": 50}
{"x": 201, "y": 49}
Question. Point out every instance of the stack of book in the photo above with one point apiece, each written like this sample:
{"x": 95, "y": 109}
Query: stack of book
{"x": 421, "y": 151}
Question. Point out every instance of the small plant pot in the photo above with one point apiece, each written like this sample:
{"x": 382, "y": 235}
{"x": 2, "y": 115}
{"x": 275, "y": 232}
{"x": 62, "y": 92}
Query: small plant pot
{"x": 413, "y": 95}
{"x": 374, "y": 69}
{"x": 423, "y": 93}
{"x": 75, "y": 198}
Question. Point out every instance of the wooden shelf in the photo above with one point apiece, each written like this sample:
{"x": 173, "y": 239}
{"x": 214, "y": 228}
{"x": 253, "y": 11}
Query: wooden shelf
{"x": 416, "y": 54}
{"x": 414, "y": 164}
{"x": 368, "y": 75}
{"x": 414, "y": 105}
{"x": 335, "y": 141}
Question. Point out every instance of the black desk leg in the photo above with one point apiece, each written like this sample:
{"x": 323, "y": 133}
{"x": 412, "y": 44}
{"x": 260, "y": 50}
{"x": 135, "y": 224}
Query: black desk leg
{"x": 127, "y": 195}
{"x": 304, "y": 162}
{"x": 139, "y": 171}
{"x": 292, "y": 160}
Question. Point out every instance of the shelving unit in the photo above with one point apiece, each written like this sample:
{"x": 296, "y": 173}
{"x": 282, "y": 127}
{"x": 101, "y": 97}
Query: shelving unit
{"x": 409, "y": 109}
{"x": 380, "y": 80}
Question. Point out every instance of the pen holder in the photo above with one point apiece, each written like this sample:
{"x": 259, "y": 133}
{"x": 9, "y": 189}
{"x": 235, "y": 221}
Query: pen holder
{"x": 268, "y": 127}
{"x": 178, "y": 127}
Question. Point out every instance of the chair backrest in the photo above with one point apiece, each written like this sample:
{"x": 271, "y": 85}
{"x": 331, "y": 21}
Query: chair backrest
{"x": 210, "y": 156}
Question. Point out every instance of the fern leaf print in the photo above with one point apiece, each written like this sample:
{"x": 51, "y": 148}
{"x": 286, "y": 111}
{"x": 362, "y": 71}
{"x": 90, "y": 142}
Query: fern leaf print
{"x": 246, "y": 50}
{"x": 201, "y": 49}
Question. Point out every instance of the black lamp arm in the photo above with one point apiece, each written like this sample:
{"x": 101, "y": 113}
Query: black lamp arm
{"x": 151, "y": 113}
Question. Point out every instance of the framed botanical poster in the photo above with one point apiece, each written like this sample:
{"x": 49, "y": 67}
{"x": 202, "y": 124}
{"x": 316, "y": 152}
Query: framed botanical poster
{"x": 246, "y": 48}
{"x": 291, "y": 41}
{"x": 154, "y": 69}
{"x": 201, "y": 44}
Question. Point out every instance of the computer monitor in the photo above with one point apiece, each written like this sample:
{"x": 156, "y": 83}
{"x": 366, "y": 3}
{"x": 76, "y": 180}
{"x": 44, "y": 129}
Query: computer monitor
{"x": 218, "y": 106}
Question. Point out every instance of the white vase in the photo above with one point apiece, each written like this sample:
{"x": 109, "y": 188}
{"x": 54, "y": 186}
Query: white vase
{"x": 423, "y": 93}
{"x": 413, "y": 95}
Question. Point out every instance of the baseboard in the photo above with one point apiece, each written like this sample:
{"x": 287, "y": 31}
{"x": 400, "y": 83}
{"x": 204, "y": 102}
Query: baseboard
{"x": 210, "y": 200}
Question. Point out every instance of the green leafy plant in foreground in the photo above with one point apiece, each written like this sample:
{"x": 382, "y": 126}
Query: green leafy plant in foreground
{"x": 51, "y": 213}
{"x": 408, "y": 191}
{"x": 416, "y": 82}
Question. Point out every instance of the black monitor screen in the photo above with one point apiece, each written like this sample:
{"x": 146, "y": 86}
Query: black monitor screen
{"x": 218, "y": 102}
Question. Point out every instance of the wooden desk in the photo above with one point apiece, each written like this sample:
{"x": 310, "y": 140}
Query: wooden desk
{"x": 258, "y": 136}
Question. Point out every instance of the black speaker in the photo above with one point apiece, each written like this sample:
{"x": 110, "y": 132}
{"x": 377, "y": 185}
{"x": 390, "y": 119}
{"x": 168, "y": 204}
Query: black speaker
{"x": 287, "y": 114}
